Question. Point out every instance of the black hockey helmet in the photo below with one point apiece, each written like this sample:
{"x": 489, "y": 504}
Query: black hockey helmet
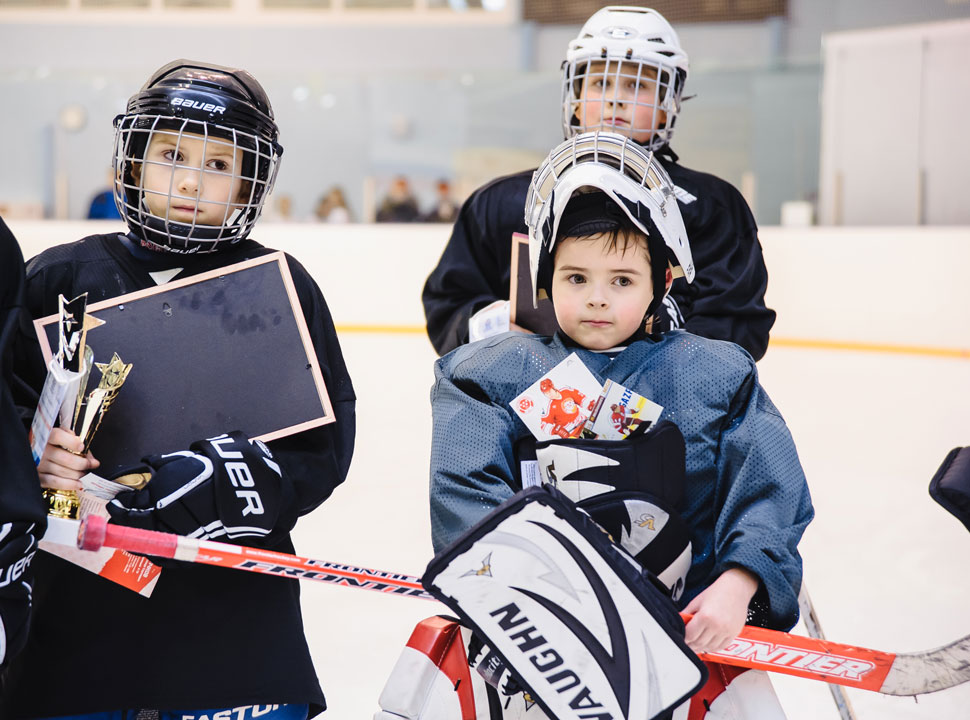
{"x": 222, "y": 105}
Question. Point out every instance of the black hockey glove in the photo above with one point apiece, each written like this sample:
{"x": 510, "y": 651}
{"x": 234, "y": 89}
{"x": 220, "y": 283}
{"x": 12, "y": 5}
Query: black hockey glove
{"x": 632, "y": 489}
{"x": 950, "y": 487}
{"x": 652, "y": 462}
{"x": 225, "y": 488}
{"x": 18, "y": 543}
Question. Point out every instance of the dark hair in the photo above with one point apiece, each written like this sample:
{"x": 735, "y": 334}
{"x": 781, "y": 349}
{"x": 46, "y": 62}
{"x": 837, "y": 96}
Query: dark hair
{"x": 594, "y": 215}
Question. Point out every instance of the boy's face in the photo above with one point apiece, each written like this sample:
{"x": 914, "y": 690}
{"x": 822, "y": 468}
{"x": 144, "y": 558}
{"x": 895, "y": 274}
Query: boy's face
{"x": 187, "y": 178}
{"x": 620, "y": 97}
{"x": 601, "y": 295}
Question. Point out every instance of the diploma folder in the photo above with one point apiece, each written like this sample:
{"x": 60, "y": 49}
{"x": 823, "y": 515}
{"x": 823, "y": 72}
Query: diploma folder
{"x": 540, "y": 320}
{"x": 224, "y": 350}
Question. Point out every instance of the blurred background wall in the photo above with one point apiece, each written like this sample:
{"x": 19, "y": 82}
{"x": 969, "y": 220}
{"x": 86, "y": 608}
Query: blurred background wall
{"x": 365, "y": 90}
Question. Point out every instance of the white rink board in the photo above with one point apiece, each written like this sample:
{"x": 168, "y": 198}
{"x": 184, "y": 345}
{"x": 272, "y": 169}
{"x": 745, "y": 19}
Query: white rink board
{"x": 891, "y": 285}
{"x": 885, "y": 565}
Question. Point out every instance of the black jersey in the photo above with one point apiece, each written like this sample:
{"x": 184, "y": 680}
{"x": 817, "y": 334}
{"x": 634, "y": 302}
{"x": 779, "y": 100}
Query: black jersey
{"x": 23, "y": 514}
{"x": 208, "y": 637}
{"x": 725, "y": 301}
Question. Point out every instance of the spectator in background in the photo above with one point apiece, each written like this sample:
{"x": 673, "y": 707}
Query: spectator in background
{"x": 445, "y": 208}
{"x": 400, "y": 205}
{"x": 284, "y": 208}
{"x": 332, "y": 207}
{"x": 103, "y": 203}
{"x": 278, "y": 209}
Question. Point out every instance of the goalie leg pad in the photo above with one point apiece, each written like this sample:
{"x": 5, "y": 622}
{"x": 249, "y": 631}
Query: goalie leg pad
{"x": 733, "y": 693}
{"x": 587, "y": 633}
{"x": 435, "y": 679}
{"x": 432, "y": 680}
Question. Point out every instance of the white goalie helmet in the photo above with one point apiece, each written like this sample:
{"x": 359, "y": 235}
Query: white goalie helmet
{"x": 625, "y": 72}
{"x": 635, "y": 182}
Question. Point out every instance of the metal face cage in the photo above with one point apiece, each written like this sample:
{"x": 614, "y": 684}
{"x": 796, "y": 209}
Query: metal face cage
{"x": 633, "y": 97}
{"x": 190, "y": 186}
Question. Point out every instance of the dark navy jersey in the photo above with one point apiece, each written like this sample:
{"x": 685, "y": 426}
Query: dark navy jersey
{"x": 207, "y": 637}
{"x": 725, "y": 301}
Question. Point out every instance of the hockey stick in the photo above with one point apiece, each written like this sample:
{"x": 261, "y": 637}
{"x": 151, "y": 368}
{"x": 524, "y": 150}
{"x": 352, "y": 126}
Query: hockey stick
{"x": 814, "y": 628}
{"x": 814, "y": 659}
{"x": 94, "y": 532}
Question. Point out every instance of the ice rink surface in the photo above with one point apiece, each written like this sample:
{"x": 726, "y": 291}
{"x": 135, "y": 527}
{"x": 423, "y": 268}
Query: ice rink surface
{"x": 886, "y": 566}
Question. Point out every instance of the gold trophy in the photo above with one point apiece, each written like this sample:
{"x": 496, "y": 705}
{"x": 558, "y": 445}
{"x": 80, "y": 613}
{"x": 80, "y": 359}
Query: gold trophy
{"x": 82, "y": 413}
{"x": 88, "y": 414}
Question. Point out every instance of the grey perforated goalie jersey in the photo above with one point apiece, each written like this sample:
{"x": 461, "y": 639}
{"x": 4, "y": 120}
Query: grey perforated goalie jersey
{"x": 746, "y": 500}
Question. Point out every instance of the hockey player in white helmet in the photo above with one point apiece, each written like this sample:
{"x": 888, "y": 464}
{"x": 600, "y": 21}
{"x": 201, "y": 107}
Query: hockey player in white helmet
{"x": 195, "y": 157}
{"x": 625, "y": 71}
{"x": 606, "y": 242}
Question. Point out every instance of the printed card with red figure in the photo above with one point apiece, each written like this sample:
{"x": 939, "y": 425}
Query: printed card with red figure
{"x": 558, "y": 404}
{"x": 619, "y": 412}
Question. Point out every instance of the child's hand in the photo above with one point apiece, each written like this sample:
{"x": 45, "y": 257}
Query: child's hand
{"x": 720, "y": 611}
{"x": 59, "y": 467}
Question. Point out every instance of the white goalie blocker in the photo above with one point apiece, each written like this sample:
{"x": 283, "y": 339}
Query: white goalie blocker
{"x": 582, "y": 645}
{"x": 585, "y": 633}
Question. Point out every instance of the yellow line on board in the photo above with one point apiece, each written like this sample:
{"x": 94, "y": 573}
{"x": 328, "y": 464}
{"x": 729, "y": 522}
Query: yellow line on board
{"x": 382, "y": 329}
{"x": 960, "y": 353}
{"x": 885, "y": 348}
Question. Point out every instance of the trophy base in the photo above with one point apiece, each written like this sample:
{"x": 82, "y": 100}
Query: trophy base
{"x": 62, "y": 503}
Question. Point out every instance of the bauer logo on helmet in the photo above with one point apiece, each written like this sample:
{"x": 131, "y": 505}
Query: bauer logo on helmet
{"x": 196, "y": 105}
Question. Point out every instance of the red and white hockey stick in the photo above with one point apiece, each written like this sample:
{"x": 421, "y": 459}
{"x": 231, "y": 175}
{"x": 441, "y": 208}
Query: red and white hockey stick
{"x": 95, "y": 532}
{"x": 811, "y": 658}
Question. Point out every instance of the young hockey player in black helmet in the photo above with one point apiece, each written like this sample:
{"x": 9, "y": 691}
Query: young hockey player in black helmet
{"x": 196, "y": 155}
{"x": 624, "y": 72}
{"x": 606, "y": 241}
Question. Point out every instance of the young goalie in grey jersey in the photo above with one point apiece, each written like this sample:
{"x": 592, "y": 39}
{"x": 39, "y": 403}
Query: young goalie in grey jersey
{"x": 606, "y": 241}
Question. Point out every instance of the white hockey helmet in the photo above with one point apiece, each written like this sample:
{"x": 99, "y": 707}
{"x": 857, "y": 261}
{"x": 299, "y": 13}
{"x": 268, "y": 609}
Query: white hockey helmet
{"x": 625, "y": 71}
{"x": 633, "y": 180}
